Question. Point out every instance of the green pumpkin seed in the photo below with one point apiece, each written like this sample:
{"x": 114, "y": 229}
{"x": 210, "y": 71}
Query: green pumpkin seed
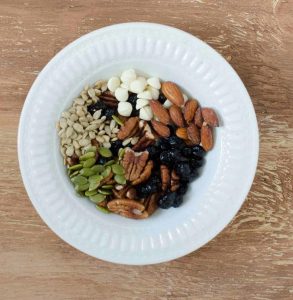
{"x": 120, "y": 179}
{"x": 87, "y": 172}
{"x": 91, "y": 193}
{"x": 98, "y": 168}
{"x": 105, "y": 192}
{"x": 96, "y": 178}
{"x": 89, "y": 162}
{"x": 75, "y": 167}
{"x": 105, "y": 152}
{"x": 118, "y": 169}
{"x": 91, "y": 149}
{"x": 97, "y": 198}
{"x": 93, "y": 185}
{"x": 80, "y": 180}
{"x": 74, "y": 174}
{"x": 117, "y": 120}
{"x": 82, "y": 187}
{"x": 109, "y": 163}
{"x": 108, "y": 186}
{"x": 102, "y": 209}
{"x": 87, "y": 156}
{"x": 106, "y": 172}
{"x": 121, "y": 153}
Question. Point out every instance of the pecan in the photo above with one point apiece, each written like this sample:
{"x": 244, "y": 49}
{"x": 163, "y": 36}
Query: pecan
{"x": 107, "y": 179}
{"x": 128, "y": 129}
{"x": 134, "y": 163}
{"x": 175, "y": 181}
{"x": 73, "y": 160}
{"x": 128, "y": 208}
{"x": 165, "y": 177}
{"x": 109, "y": 99}
{"x": 94, "y": 142}
{"x": 145, "y": 174}
{"x": 102, "y": 204}
{"x": 131, "y": 194}
{"x": 151, "y": 203}
{"x": 119, "y": 194}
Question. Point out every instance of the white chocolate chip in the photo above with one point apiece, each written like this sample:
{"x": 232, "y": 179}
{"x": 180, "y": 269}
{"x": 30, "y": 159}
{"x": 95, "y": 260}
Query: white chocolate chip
{"x": 154, "y": 82}
{"x": 141, "y": 103}
{"x": 121, "y": 94}
{"x": 167, "y": 103}
{"x": 137, "y": 86}
{"x": 128, "y": 76}
{"x": 125, "y": 109}
{"x": 155, "y": 93}
{"x": 145, "y": 95}
{"x": 146, "y": 113}
{"x": 125, "y": 85}
{"x": 113, "y": 83}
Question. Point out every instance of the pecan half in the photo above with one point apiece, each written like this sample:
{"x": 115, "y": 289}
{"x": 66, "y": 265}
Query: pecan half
{"x": 131, "y": 194}
{"x": 134, "y": 163}
{"x": 128, "y": 129}
{"x": 145, "y": 174}
{"x": 107, "y": 180}
{"x": 128, "y": 208}
{"x": 147, "y": 137}
{"x": 165, "y": 177}
{"x": 175, "y": 181}
{"x": 109, "y": 99}
{"x": 151, "y": 203}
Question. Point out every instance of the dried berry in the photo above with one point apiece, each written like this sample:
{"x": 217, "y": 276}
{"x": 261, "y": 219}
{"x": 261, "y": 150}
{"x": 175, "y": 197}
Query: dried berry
{"x": 187, "y": 151}
{"x": 182, "y": 189}
{"x": 153, "y": 151}
{"x": 115, "y": 146}
{"x": 182, "y": 170}
{"x": 198, "y": 151}
{"x": 167, "y": 200}
{"x": 175, "y": 142}
{"x": 162, "y": 98}
{"x": 178, "y": 201}
{"x": 96, "y": 106}
{"x": 109, "y": 112}
{"x": 132, "y": 100}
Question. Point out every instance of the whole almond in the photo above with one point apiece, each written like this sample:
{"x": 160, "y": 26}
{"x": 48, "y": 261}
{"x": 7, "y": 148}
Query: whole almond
{"x": 193, "y": 134}
{"x": 161, "y": 129}
{"x": 176, "y": 115}
{"x": 182, "y": 133}
{"x": 172, "y": 92}
{"x": 206, "y": 137}
{"x": 190, "y": 108}
{"x": 160, "y": 112}
{"x": 210, "y": 117}
{"x": 198, "y": 120}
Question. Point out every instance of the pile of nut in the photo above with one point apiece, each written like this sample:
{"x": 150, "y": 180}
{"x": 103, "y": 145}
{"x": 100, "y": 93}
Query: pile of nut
{"x": 133, "y": 144}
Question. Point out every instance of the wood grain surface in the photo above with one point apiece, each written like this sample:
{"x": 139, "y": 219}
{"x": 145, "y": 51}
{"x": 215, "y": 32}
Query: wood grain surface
{"x": 253, "y": 257}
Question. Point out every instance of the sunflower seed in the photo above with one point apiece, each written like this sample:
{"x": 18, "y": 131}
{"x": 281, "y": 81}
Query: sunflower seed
{"x": 76, "y": 144}
{"x": 106, "y": 138}
{"x": 134, "y": 140}
{"x": 98, "y": 92}
{"x": 73, "y": 117}
{"x": 84, "y": 95}
{"x": 79, "y": 101}
{"x": 92, "y": 135}
{"x": 100, "y": 139}
{"x": 77, "y": 127}
{"x": 108, "y": 130}
{"x": 69, "y": 132}
{"x": 115, "y": 130}
{"x": 114, "y": 139}
{"x": 91, "y": 92}
{"x": 65, "y": 114}
{"x": 92, "y": 127}
{"x": 70, "y": 123}
{"x": 85, "y": 124}
{"x": 126, "y": 142}
{"x": 61, "y": 133}
{"x": 102, "y": 132}
{"x": 102, "y": 126}
{"x": 70, "y": 151}
{"x": 84, "y": 142}
{"x": 63, "y": 123}
{"x": 107, "y": 145}
{"x": 97, "y": 114}
{"x": 112, "y": 125}
{"x": 80, "y": 113}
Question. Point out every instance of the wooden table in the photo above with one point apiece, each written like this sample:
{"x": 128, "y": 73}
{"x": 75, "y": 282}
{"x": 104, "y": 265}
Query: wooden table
{"x": 253, "y": 257}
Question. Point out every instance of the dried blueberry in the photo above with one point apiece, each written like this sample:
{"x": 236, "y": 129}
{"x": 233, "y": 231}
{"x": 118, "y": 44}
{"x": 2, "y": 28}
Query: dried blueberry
{"x": 108, "y": 113}
{"x": 182, "y": 188}
{"x": 178, "y": 201}
{"x": 132, "y": 100}
{"x": 162, "y": 98}
{"x": 96, "y": 106}
{"x": 153, "y": 151}
{"x": 102, "y": 160}
{"x": 197, "y": 150}
{"x": 175, "y": 142}
{"x": 182, "y": 169}
{"x": 186, "y": 151}
{"x": 163, "y": 144}
{"x": 196, "y": 162}
{"x": 167, "y": 200}
{"x": 115, "y": 146}
{"x": 193, "y": 173}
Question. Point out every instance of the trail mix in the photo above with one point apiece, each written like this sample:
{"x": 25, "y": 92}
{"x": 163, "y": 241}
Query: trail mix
{"x": 132, "y": 144}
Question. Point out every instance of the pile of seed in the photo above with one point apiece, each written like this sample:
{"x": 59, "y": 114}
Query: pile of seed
{"x": 77, "y": 128}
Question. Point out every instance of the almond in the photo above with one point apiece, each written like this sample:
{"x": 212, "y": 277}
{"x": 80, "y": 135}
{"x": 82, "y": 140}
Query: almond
{"x": 182, "y": 133}
{"x": 198, "y": 118}
{"x": 190, "y": 109}
{"x": 176, "y": 115}
{"x": 160, "y": 112}
{"x": 172, "y": 92}
{"x": 210, "y": 117}
{"x": 161, "y": 129}
{"x": 206, "y": 137}
{"x": 193, "y": 134}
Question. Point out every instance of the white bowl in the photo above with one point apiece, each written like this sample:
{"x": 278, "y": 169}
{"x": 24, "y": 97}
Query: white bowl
{"x": 212, "y": 200}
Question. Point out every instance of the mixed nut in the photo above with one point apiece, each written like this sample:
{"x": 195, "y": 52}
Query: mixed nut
{"x": 133, "y": 144}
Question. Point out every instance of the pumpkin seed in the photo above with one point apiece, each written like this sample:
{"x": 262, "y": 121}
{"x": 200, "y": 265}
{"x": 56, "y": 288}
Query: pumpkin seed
{"x": 120, "y": 179}
{"x": 118, "y": 169}
{"x": 102, "y": 209}
{"x": 81, "y": 187}
{"x": 105, "y": 191}
{"x": 105, "y": 152}
{"x": 75, "y": 167}
{"x": 117, "y": 120}
{"x": 80, "y": 180}
{"x": 93, "y": 185}
{"x": 106, "y": 172}
{"x": 121, "y": 153}
{"x": 74, "y": 174}
{"x": 95, "y": 178}
{"x": 107, "y": 186}
{"x": 89, "y": 162}
{"x": 91, "y": 193}
{"x": 87, "y": 156}
{"x": 87, "y": 172}
{"x": 97, "y": 198}
{"x": 109, "y": 163}
{"x": 98, "y": 168}
{"x": 91, "y": 149}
